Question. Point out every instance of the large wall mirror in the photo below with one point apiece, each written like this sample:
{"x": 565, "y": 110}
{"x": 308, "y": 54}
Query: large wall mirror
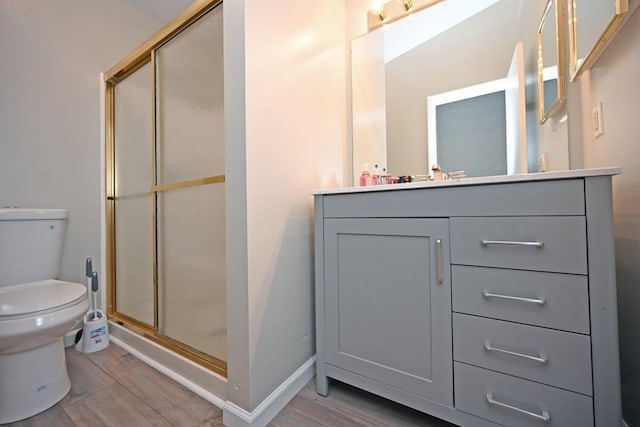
{"x": 592, "y": 23}
{"x": 452, "y": 47}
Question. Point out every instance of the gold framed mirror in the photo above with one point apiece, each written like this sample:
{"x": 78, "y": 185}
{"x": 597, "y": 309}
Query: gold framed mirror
{"x": 551, "y": 61}
{"x": 591, "y": 25}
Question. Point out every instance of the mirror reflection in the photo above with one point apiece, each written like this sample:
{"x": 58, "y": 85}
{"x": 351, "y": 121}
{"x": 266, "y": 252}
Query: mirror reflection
{"x": 455, "y": 46}
{"x": 551, "y": 74}
{"x": 591, "y": 23}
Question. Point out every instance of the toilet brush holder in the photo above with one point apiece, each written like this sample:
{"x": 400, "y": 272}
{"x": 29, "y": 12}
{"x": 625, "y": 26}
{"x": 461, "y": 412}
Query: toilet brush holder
{"x": 95, "y": 334}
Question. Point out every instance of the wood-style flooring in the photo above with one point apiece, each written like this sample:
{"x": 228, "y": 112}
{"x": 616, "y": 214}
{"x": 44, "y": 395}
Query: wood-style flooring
{"x": 113, "y": 388}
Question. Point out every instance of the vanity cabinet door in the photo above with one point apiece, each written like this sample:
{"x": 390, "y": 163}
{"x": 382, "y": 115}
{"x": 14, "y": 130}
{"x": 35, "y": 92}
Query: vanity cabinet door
{"x": 388, "y": 302}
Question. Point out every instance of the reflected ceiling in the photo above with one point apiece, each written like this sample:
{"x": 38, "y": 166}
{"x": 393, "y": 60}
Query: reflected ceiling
{"x": 164, "y": 10}
{"x": 406, "y": 34}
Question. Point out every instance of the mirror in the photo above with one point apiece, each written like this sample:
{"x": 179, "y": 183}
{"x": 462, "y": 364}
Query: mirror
{"x": 551, "y": 63}
{"x": 592, "y": 23}
{"x": 486, "y": 122}
{"x": 396, "y": 69}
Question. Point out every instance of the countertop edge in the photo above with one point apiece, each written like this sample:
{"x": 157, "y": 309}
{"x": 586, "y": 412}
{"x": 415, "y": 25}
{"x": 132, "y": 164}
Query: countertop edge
{"x": 499, "y": 179}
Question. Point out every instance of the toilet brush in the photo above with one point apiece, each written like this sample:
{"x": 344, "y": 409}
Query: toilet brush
{"x": 88, "y": 267}
{"x": 96, "y": 331}
{"x": 94, "y": 296}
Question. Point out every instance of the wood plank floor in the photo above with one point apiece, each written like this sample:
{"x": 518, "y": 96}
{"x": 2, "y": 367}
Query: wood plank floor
{"x": 113, "y": 388}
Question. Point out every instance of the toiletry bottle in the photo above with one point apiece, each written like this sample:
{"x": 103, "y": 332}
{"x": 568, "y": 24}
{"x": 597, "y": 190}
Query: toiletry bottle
{"x": 437, "y": 172}
{"x": 383, "y": 176}
{"x": 376, "y": 175}
{"x": 365, "y": 177}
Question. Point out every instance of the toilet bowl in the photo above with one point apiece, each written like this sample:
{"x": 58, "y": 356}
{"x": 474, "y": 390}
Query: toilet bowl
{"x": 33, "y": 319}
{"x": 34, "y": 313}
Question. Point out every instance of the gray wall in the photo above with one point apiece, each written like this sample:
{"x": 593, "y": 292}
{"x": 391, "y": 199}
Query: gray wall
{"x": 614, "y": 82}
{"x": 52, "y": 53}
{"x": 472, "y": 135}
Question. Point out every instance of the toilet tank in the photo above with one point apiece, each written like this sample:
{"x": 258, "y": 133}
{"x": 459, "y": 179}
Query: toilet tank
{"x": 30, "y": 244}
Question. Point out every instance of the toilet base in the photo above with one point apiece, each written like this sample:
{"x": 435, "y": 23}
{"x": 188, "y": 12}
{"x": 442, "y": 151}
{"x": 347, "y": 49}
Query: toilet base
{"x": 32, "y": 381}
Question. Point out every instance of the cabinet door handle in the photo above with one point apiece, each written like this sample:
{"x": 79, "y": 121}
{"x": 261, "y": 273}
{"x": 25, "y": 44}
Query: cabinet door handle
{"x": 544, "y": 416}
{"x": 541, "y": 358}
{"x": 439, "y": 275}
{"x": 507, "y": 242}
{"x": 540, "y": 301}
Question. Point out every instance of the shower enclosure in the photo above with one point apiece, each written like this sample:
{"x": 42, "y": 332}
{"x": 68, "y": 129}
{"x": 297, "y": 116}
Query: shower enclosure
{"x": 165, "y": 188}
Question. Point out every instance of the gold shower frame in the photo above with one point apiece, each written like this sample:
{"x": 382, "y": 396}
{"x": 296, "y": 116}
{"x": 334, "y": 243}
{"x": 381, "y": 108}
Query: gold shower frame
{"x": 141, "y": 56}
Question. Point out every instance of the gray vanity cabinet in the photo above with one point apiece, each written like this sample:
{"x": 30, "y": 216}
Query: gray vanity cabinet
{"x": 484, "y": 302}
{"x": 388, "y": 302}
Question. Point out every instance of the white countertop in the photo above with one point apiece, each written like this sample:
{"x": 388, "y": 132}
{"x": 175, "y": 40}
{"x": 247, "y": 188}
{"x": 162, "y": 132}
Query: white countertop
{"x": 498, "y": 179}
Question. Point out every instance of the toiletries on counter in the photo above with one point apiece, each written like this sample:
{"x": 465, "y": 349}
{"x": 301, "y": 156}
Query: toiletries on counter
{"x": 437, "y": 172}
{"x": 380, "y": 176}
{"x": 457, "y": 175}
{"x": 365, "y": 177}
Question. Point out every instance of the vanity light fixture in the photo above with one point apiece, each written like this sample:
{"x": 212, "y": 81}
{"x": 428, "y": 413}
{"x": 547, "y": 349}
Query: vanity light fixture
{"x": 378, "y": 12}
{"x": 382, "y": 15}
{"x": 393, "y": 10}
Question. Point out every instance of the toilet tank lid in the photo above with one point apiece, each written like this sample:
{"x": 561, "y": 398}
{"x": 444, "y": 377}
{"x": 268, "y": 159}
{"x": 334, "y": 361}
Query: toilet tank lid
{"x": 8, "y": 214}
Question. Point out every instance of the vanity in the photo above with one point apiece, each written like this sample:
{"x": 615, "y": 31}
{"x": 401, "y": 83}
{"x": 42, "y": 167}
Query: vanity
{"x": 482, "y": 301}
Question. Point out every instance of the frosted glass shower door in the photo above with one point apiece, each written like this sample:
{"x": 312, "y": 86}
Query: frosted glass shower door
{"x": 133, "y": 135}
{"x": 190, "y": 187}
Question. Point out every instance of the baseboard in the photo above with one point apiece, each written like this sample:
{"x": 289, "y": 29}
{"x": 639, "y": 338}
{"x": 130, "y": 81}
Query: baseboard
{"x": 235, "y": 416}
{"x": 194, "y": 377}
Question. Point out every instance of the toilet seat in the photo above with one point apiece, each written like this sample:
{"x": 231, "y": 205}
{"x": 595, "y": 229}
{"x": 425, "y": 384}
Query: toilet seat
{"x": 26, "y": 299}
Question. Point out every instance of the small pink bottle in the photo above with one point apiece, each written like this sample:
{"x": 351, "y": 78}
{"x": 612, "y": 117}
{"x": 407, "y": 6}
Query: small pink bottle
{"x": 365, "y": 178}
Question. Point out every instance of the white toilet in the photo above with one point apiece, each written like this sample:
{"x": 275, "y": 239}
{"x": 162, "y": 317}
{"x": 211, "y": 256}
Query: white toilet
{"x": 35, "y": 312}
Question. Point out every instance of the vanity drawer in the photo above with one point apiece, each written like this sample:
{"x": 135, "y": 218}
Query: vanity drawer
{"x": 560, "y": 359}
{"x": 552, "y": 300}
{"x": 556, "y": 244}
{"x": 516, "y": 402}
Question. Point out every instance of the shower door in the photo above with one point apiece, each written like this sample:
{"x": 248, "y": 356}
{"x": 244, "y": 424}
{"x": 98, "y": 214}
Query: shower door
{"x": 133, "y": 211}
{"x": 190, "y": 189}
{"x": 166, "y": 217}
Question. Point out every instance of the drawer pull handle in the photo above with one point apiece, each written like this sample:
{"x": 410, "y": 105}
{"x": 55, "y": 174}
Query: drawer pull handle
{"x": 506, "y": 242}
{"x": 544, "y": 417}
{"x": 439, "y": 276}
{"x": 540, "y": 301}
{"x": 541, "y": 359}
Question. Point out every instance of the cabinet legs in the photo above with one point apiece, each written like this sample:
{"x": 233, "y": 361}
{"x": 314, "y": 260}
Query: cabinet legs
{"x": 322, "y": 384}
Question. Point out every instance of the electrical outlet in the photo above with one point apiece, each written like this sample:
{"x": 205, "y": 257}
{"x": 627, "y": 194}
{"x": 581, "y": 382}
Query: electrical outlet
{"x": 597, "y": 120}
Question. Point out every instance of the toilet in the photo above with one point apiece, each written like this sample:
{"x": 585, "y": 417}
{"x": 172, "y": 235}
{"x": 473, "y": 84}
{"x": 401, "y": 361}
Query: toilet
{"x": 35, "y": 312}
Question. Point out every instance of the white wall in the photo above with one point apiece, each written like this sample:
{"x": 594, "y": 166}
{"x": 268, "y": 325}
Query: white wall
{"x": 295, "y": 87}
{"x": 52, "y": 53}
{"x": 291, "y": 136}
{"x": 614, "y": 81}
